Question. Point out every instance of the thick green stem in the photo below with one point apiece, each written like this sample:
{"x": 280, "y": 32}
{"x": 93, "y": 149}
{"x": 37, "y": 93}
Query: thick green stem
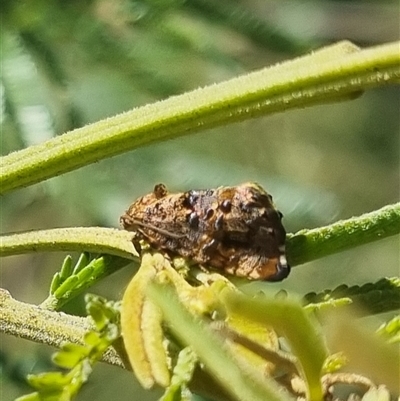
{"x": 331, "y": 74}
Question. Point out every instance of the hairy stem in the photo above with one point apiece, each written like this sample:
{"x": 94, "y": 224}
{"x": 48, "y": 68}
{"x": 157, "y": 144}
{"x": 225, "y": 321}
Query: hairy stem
{"x": 90, "y": 239}
{"x": 331, "y": 74}
{"x": 308, "y": 245}
{"x": 46, "y": 327}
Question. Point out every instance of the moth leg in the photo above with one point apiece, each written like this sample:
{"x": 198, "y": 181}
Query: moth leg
{"x": 193, "y": 220}
{"x": 210, "y": 247}
{"x": 282, "y": 270}
{"x": 219, "y": 223}
{"x": 126, "y": 221}
{"x": 137, "y": 224}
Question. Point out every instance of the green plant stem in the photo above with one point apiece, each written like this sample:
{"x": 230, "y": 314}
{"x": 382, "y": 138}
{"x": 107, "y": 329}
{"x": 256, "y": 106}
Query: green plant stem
{"x": 302, "y": 247}
{"x": 46, "y": 327}
{"x": 308, "y": 245}
{"x": 90, "y": 239}
{"x": 331, "y": 74}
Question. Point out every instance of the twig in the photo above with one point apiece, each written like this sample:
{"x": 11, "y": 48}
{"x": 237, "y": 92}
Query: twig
{"x": 46, "y": 327}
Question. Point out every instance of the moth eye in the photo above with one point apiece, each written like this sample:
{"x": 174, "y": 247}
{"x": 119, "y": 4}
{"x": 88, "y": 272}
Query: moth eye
{"x": 209, "y": 214}
{"x": 193, "y": 220}
{"x": 280, "y": 214}
{"x": 226, "y": 206}
{"x": 160, "y": 191}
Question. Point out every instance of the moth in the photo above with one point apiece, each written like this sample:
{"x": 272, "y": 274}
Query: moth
{"x": 236, "y": 230}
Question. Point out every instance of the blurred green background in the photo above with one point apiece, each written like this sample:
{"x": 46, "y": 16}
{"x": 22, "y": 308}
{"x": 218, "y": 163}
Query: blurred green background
{"x": 69, "y": 63}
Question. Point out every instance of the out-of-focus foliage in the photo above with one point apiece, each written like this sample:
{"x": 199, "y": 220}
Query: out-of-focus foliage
{"x": 78, "y": 359}
{"x": 65, "y": 64}
{"x": 391, "y": 330}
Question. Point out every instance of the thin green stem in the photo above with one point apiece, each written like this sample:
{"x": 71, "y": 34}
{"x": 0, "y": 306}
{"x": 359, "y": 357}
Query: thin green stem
{"x": 331, "y": 74}
{"x": 302, "y": 247}
{"x": 90, "y": 239}
{"x": 308, "y": 245}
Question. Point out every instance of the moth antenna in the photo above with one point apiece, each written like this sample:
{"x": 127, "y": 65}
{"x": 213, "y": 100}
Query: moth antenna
{"x": 159, "y": 230}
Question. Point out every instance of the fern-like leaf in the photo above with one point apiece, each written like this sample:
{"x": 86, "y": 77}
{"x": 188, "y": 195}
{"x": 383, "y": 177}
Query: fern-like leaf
{"x": 372, "y": 298}
{"x": 70, "y": 281}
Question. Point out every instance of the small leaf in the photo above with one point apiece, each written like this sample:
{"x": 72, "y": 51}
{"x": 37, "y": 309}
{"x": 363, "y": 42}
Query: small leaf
{"x": 335, "y": 362}
{"x": 67, "y": 359}
{"x": 260, "y": 334}
{"x": 92, "y": 338}
{"x": 97, "y": 314}
{"x": 48, "y": 381}
{"x": 181, "y": 376}
{"x": 77, "y": 349}
{"x": 104, "y": 313}
{"x": 59, "y": 395}
{"x": 66, "y": 268}
{"x": 391, "y": 330}
{"x": 30, "y": 397}
{"x": 85, "y": 273}
{"x": 55, "y": 283}
{"x": 328, "y": 304}
{"x": 81, "y": 263}
{"x": 68, "y": 285}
